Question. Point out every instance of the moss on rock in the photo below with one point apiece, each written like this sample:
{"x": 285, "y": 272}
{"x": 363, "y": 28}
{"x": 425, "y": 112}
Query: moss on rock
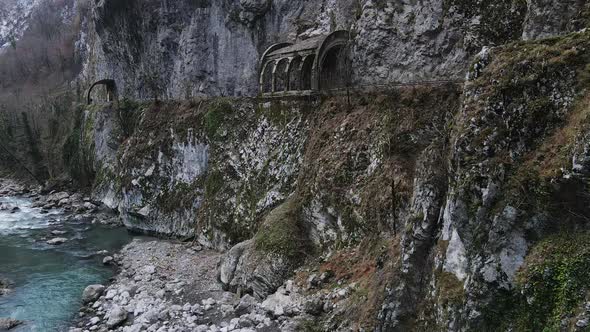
{"x": 554, "y": 281}
{"x": 214, "y": 118}
{"x": 282, "y": 232}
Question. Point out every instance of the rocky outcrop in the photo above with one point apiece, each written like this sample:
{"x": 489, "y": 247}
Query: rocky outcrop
{"x": 92, "y": 292}
{"x": 213, "y": 47}
{"x": 541, "y": 20}
{"x": 245, "y": 270}
{"x": 259, "y": 266}
{"x": 14, "y": 16}
{"x": 456, "y": 180}
{"x": 505, "y": 168}
{"x": 7, "y": 324}
{"x": 209, "y": 171}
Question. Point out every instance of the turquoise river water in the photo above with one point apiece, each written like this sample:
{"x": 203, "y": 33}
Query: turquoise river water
{"x": 47, "y": 281}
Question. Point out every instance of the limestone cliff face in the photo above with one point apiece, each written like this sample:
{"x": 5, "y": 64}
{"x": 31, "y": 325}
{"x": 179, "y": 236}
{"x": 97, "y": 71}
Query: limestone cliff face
{"x": 459, "y": 201}
{"x": 470, "y": 195}
{"x": 14, "y": 16}
{"x": 195, "y": 48}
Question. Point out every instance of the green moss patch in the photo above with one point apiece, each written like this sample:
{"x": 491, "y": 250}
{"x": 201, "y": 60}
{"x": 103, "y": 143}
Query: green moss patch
{"x": 554, "y": 280}
{"x": 215, "y": 116}
{"x": 78, "y": 148}
{"x": 181, "y": 197}
{"x": 282, "y": 232}
{"x": 213, "y": 183}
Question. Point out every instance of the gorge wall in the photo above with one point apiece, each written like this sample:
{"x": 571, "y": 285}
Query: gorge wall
{"x": 450, "y": 206}
{"x": 204, "y": 48}
{"x": 462, "y": 190}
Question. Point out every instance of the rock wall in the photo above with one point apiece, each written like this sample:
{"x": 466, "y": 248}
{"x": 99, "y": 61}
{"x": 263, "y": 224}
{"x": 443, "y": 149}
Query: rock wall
{"x": 513, "y": 182}
{"x": 208, "y": 168}
{"x": 466, "y": 186}
{"x": 471, "y": 192}
{"x": 203, "y": 48}
{"x": 14, "y": 16}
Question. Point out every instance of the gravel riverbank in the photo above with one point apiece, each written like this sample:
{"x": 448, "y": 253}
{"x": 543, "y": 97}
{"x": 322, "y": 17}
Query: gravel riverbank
{"x": 166, "y": 286}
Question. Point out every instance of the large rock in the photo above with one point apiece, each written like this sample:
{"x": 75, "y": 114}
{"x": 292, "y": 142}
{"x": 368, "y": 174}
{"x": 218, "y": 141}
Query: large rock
{"x": 9, "y": 323}
{"x": 286, "y": 301}
{"x": 92, "y": 292}
{"x": 57, "y": 197}
{"x": 4, "y": 286}
{"x": 116, "y": 316}
{"x": 246, "y": 304}
{"x": 247, "y": 270}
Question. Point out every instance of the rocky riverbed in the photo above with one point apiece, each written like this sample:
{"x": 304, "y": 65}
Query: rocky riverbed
{"x": 52, "y": 244}
{"x": 172, "y": 286}
{"x": 167, "y": 286}
{"x": 159, "y": 285}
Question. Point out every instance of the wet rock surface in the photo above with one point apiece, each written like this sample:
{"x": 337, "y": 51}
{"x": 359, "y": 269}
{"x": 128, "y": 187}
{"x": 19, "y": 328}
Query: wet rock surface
{"x": 4, "y": 286}
{"x": 7, "y": 324}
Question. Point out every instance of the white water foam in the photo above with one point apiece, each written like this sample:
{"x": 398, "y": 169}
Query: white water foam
{"x": 26, "y": 218}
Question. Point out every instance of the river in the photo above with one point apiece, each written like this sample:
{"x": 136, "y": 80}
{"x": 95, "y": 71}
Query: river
{"x": 47, "y": 281}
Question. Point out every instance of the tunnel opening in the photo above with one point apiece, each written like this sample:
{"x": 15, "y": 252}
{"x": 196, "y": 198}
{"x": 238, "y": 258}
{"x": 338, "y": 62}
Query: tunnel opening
{"x": 103, "y": 91}
{"x": 334, "y": 70}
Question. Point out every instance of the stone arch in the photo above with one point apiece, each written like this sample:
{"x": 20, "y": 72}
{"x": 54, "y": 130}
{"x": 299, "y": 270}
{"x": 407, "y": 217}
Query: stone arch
{"x": 265, "y": 80}
{"x": 273, "y": 48}
{"x": 110, "y": 87}
{"x": 294, "y": 74}
{"x": 307, "y": 73}
{"x": 281, "y": 77}
{"x": 331, "y": 63}
{"x": 266, "y": 77}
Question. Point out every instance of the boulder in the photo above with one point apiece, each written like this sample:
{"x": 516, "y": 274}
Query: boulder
{"x": 313, "y": 306}
{"x": 4, "y": 286}
{"x": 245, "y": 269}
{"x": 57, "y": 197}
{"x": 89, "y": 206}
{"x": 246, "y": 304}
{"x": 116, "y": 316}
{"x": 92, "y": 293}
{"x": 94, "y": 321}
{"x": 9, "y": 323}
{"x": 582, "y": 323}
{"x": 62, "y": 202}
{"x": 149, "y": 269}
{"x": 286, "y": 301}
